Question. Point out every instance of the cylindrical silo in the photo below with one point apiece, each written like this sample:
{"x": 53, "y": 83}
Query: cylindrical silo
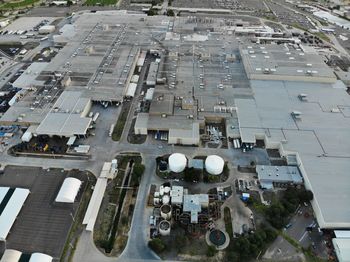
{"x": 164, "y": 228}
{"x": 165, "y": 211}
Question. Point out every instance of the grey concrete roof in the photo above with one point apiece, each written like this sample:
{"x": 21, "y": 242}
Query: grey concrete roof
{"x": 320, "y": 139}
{"x": 279, "y": 174}
{"x": 66, "y": 117}
{"x": 284, "y": 63}
{"x": 27, "y": 79}
{"x": 196, "y": 163}
{"x": 141, "y": 121}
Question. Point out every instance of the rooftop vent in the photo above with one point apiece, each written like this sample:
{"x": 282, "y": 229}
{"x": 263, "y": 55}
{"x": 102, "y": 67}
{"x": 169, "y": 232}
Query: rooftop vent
{"x": 302, "y": 97}
{"x": 296, "y": 114}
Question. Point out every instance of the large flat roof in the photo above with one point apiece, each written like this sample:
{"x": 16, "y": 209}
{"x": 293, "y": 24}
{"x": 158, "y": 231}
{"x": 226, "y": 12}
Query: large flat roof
{"x": 320, "y": 138}
{"x": 66, "y": 118}
{"x": 27, "y": 79}
{"x": 284, "y": 62}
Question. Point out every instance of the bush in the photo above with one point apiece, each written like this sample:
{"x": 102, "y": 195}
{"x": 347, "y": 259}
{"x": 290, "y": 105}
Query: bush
{"x": 211, "y": 251}
{"x": 180, "y": 242}
{"x": 157, "y": 245}
{"x": 191, "y": 175}
{"x": 246, "y": 248}
{"x": 170, "y": 13}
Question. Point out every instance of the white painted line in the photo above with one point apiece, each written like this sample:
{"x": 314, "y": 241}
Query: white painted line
{"x": 302, "y": 237}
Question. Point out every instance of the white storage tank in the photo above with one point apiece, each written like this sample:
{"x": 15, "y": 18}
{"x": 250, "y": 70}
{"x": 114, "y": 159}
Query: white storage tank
{"x": 177, "y": 162}
{"x": 164, "y": 228}
{"x": 165, "y": 211}
{"x": 214, "y": 165}
{"x": 166, "y": 199}
{"x": 161, "y": 190}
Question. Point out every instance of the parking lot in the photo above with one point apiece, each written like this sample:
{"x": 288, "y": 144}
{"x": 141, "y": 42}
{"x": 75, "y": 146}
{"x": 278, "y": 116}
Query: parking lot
{"x": 42, "y": 224}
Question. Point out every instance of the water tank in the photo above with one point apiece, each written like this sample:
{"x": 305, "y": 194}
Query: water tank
{"x": 164, "y": 228}
{"x": 177, "y": 162}
{"x": 214, "y": 165}
{"x": 161, "y": 190}
{"x": 166, "y": 199}
{"x": 165, "y": 211}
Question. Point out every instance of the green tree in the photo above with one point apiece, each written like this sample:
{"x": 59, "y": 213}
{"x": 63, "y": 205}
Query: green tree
{"x": 211, "y": 251}
{"x": 180, "y": 242}
{"x": 157, "y": 245}
{"x": 191, "y": 175}
{"x": 170, "y": 13}
{"x": 152, "y": 12}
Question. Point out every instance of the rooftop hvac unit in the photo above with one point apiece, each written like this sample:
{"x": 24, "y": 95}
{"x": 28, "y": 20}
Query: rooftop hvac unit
{"x": 266, "y": 71}
{"x": 302, "y": 97}
{"x": 309, "y": 72}
{"x": 296, "y": 114}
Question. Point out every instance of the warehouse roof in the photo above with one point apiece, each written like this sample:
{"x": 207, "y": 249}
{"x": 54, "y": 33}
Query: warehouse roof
{"x": 95, "y": 203}
{"x": 141, "y": 121}
{"x": 11, "y": 210}
{"x": 162, "y": 104}
{"x": 319, "y": 139}
{"x": 40, "y": 257}
{"x": 66, "y": 118}
{"x": 27, "y": 78}
{"x": 342, "y": 249}
{"x": 280, "y": 174}
{"x": 11, "y": 255}
{"x": 68, "y": 190}
{"x": 284, "y": 63}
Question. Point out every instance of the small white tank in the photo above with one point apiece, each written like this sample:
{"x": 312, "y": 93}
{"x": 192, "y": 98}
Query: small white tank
{"x": 166, "y": 199}
{"x": 164, "y": 228}
{"x": 161, "y": 190}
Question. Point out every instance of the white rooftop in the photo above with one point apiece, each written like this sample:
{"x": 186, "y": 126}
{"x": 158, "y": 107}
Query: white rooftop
{"x": 27, "y": 79}
{"x": 67, "y": 117}
{"x": 320, "y": 138}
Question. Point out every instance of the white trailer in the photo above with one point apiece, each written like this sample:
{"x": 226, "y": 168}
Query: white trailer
{"x": 94, "y": 119}
{"x": 111, "y": 130}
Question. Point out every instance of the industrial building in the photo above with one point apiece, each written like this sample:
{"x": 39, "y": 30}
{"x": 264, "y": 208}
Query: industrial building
{"x": 278, "y": 176}
{"x": 314, "y": 128}
{"x": 11, "y": 200}
{"x": 289, "y": 63}
{"x": 68, "y": 117}
{"x": 12, "y": 255}
{"x": 69, "y": 190}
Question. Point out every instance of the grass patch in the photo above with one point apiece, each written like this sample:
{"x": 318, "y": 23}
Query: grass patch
{"x": 296, "y": 25}
{"x": 100, "y": 2}
{"x": 119, "y": 126}
{"x": 18, "y": 4}
{"x": 228, "y": 222}
{"x": 322, "y": 36}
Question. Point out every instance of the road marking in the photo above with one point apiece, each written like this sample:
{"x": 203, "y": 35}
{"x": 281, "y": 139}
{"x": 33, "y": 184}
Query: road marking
{"x": 303, "y": 236}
